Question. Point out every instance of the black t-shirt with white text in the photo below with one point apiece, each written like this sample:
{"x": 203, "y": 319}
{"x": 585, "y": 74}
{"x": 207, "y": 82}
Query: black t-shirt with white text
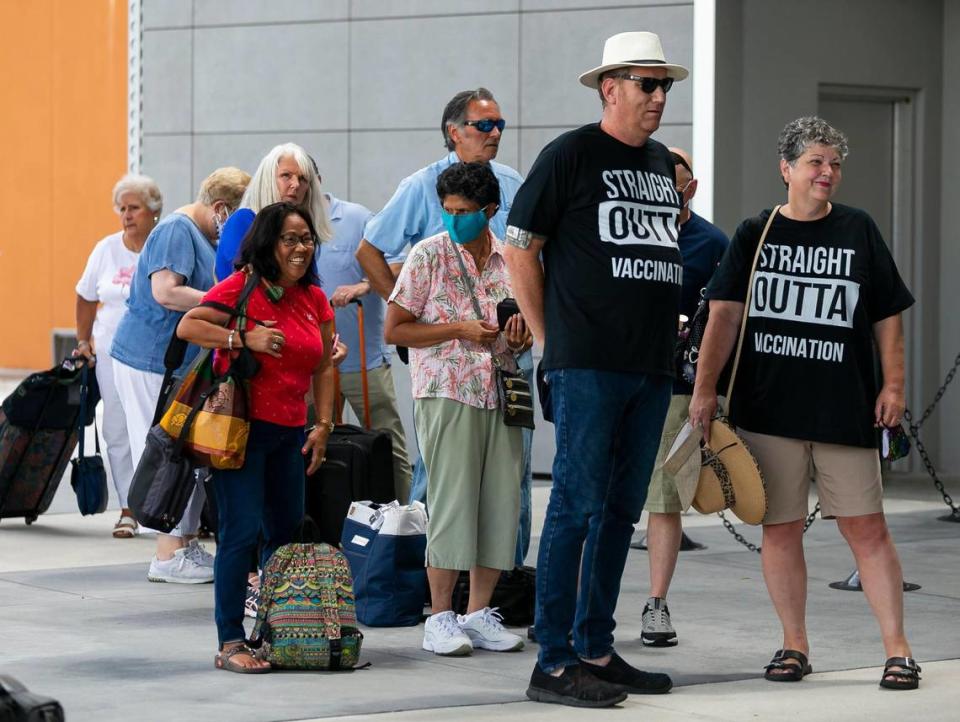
{"x": 807, "y": 366}
{"x": 612, "y": 267}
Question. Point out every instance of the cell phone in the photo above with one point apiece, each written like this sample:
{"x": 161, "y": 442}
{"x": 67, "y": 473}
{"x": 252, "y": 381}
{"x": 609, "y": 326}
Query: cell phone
{"x": 505, "y": 309}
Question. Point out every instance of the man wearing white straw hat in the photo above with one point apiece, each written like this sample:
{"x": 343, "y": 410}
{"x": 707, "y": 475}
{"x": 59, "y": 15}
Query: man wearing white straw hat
{"x": 601, "y": 206}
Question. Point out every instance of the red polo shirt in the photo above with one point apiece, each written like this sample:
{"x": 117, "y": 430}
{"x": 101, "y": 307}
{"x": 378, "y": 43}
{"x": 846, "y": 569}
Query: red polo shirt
{"x": 277, "y": 391}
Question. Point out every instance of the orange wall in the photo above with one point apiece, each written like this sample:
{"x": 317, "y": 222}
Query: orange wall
{"x": 62, "y": 147}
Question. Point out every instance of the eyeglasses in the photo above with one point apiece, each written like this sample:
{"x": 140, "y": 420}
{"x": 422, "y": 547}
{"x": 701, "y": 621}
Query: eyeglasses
{"x": 290, "y": 240}
{"x": 648, "y": 84}
{"x": 486, "y": 125}
{"x": 681, "y": 189}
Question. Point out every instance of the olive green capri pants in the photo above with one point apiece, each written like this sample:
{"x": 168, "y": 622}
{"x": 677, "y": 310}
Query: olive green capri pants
{"x": 473, "y": 463}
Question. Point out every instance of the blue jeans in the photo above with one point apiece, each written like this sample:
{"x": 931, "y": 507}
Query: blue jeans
{"x": 418, "y": 487}
{"x": 265, "y": 495}
{"x": 608, "y": 427}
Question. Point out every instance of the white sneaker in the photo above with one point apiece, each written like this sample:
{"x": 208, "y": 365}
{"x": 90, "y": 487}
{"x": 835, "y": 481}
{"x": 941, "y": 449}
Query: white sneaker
{"x": 198, "y": 553}
{"x": 180, "y": 569}
{"x": 442, "y": 635}
{"x": 485, "y": 630}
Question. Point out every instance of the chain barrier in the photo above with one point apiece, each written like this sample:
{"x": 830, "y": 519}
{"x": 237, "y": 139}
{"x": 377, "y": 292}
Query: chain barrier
{"x": 914, "y": 429}
{"x": 811, "y": 517}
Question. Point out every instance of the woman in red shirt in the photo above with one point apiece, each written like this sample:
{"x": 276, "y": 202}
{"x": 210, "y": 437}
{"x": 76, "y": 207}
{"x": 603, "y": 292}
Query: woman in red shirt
{"x": 293, "y": 348}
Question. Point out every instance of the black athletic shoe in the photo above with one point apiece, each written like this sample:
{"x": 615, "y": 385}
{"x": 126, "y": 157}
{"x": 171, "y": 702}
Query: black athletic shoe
{"x": 628, "y": 678}
{"x": 576, "y": 687}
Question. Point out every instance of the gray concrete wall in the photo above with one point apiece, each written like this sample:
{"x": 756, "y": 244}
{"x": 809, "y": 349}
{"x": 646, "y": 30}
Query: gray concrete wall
{"x": 949, "y": 198}
{"x": 362, "y": 83}
{"x": 772, "y": 59}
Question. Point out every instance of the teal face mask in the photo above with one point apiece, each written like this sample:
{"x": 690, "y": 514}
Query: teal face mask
{"x": 466, "y": 227}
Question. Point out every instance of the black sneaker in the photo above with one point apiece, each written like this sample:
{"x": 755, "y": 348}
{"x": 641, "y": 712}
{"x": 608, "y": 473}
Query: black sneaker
{"x": 576, "y": 687}
{"x": 628, "y": 678}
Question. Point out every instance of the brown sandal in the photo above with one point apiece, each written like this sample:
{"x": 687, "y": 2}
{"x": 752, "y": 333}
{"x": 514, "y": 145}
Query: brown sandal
{"x": 125, "y": 528}
{"x": 224, "y": 660}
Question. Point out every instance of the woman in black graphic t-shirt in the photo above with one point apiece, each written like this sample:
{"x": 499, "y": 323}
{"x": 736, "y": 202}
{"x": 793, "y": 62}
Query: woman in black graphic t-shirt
{"x": 825, "y": 289}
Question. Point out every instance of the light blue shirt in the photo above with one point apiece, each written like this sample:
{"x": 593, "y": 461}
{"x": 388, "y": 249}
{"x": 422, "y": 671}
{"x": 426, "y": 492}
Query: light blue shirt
{"x": 337, "y": 266}
{"x": 414, "y": 211}
{"x": 176, "y": 244}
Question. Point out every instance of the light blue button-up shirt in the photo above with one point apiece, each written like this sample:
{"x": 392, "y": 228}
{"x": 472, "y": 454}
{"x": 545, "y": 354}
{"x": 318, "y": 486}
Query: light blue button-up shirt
{"x": 337, "y": 266}
{"x": 414, "y": 212}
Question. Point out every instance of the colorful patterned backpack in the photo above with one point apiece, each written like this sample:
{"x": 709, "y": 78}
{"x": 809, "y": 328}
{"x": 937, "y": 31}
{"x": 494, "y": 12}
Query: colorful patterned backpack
{"x": 307, "y": 618}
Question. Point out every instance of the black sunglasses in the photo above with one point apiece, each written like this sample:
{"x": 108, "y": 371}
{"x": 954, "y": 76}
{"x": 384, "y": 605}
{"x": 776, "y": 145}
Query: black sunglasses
{"x": 486, "y": 125}
{"x": 647, "y": 84}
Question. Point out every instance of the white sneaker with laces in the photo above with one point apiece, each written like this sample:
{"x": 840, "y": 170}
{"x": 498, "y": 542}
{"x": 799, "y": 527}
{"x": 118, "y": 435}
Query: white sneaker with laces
{"x": 485, "y": 630}
{"x": 442, "y": 635}
{"x": 198, "y": 553}
{"x": 179, "y": 569}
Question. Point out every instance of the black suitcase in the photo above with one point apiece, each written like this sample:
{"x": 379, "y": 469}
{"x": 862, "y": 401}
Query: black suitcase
{"x": 38, "y": 433}
{"x": 19, "y": 705}
{"x": 358, "y": 466}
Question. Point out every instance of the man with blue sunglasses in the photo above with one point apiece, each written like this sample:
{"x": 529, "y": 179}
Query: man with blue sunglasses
{"x": 472, "y": 127}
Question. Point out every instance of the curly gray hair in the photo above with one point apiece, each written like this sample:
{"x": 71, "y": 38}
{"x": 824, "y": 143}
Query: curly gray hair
{"x": 143, "y": 186}
{"x": 809, "y": 130}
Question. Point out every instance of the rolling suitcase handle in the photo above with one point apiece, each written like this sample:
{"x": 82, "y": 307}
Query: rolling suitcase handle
{"x": 364, "y": 384}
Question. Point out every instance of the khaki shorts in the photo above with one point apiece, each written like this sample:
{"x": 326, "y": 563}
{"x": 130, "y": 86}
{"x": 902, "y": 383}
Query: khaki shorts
{"x": 474, "y": 469}
{"x": 662, "y": 496}
{"x": 848, "y": 477}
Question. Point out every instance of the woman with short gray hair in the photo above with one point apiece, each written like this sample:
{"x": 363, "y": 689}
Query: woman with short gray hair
{"x": 822, "y": 288}
{"x": 102, "y": 294}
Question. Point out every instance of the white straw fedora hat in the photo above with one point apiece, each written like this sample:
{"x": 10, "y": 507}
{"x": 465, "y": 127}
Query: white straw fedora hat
{"x": 636, "y": 49}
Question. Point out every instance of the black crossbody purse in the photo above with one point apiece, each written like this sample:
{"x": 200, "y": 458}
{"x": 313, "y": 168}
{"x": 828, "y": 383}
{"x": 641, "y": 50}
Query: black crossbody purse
{"x": 516, "y": 402}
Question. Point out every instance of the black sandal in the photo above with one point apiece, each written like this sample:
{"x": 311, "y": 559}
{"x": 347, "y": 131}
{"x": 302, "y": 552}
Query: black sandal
{"x": 907, "y": 677}
{"x": 793, "y": 662}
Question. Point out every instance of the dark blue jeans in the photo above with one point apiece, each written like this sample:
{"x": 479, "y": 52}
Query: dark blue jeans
{"x": 608, "y": 427}
{"x": 266, "y": 496}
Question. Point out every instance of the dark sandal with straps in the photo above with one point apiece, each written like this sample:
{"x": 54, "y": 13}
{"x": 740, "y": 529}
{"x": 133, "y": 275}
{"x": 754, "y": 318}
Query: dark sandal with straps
{"x": 907, "y": 677}
{"x": 224, "y": 660}
{"x": 793, "y": 663}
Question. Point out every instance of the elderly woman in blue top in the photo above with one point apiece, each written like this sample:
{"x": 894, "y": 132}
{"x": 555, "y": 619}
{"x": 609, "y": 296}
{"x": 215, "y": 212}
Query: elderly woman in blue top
{"x": 174, "y": 270}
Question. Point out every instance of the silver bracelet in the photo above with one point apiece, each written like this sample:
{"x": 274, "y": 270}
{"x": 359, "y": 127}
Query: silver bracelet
{"x": 230, "y": 339}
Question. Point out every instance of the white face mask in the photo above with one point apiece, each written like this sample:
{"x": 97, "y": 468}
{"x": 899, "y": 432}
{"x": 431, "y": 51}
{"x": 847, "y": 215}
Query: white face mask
{"x": 219, "y": 223}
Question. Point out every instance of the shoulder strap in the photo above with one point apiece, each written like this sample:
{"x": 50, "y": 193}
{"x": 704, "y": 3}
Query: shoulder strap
{"x": 746, "y": 307}
{"x": 467, "y": 279}
{"x": 177, "y": 347}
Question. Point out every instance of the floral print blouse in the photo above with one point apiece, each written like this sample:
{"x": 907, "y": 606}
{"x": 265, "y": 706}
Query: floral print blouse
{"x": 431, "y": 287}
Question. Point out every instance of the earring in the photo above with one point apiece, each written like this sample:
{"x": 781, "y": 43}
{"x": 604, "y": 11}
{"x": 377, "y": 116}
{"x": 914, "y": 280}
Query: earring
{"x": 156, "y": 219}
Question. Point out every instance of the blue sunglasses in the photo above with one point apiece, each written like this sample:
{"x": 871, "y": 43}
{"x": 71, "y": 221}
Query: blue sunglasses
{"x": 486, "y": 125}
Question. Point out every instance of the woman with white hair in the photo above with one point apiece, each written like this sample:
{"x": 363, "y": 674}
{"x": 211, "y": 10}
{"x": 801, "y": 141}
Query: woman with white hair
{"x": 287, "y": 173}
{"x": 102, "y": 294}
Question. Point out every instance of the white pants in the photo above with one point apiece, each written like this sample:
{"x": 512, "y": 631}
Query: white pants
{"x": 138, "y": 392}
{"x": 114, "y": 429}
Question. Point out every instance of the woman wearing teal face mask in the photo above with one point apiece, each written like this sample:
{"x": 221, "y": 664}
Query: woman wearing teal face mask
{"x": 473, "y": 459}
